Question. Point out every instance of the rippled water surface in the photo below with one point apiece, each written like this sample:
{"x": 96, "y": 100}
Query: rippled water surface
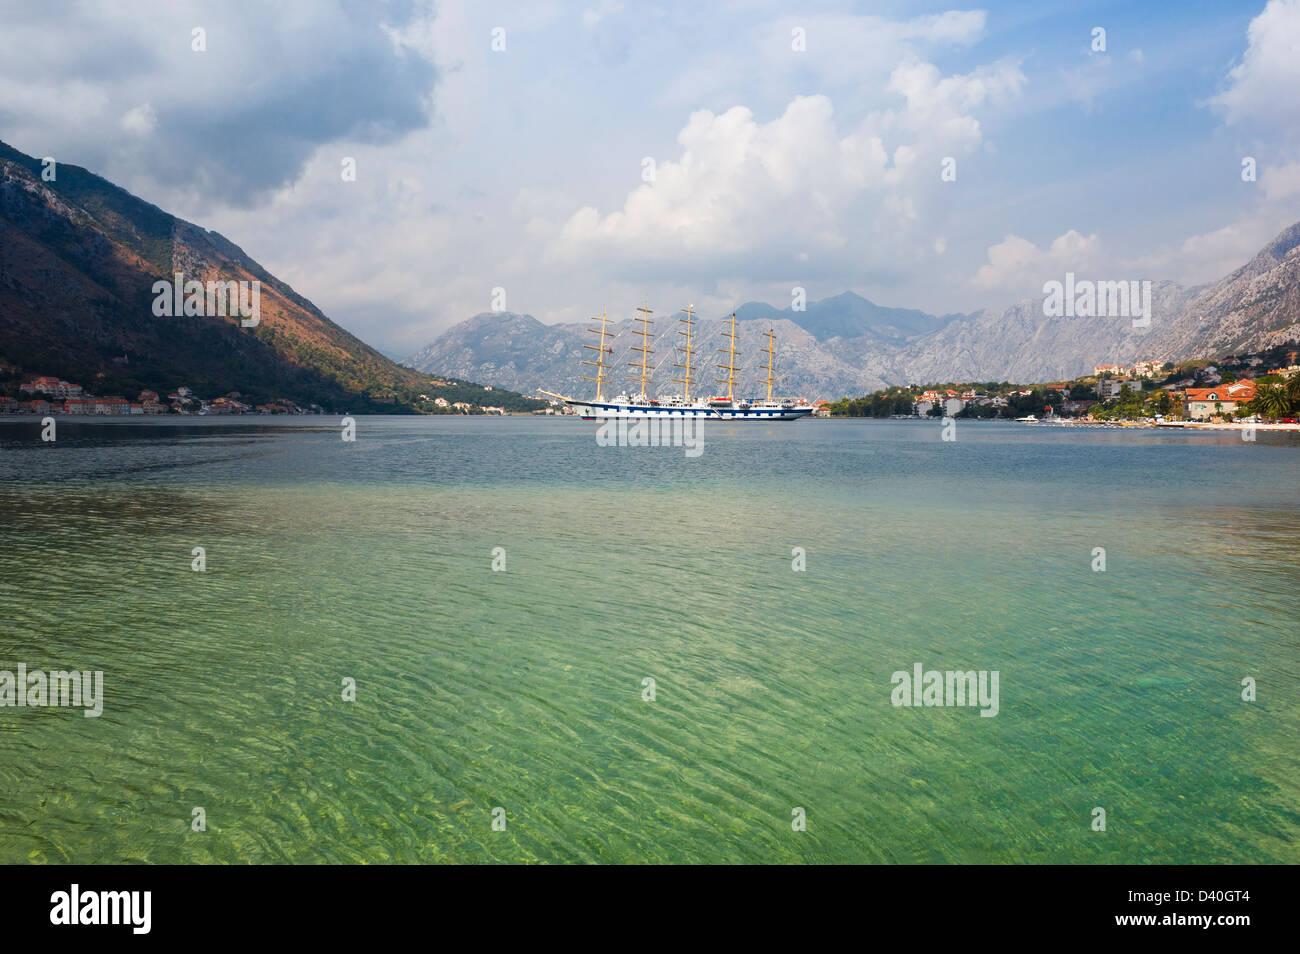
{"x": 523, "y": 689}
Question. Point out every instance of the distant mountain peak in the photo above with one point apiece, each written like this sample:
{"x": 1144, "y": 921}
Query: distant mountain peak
{"x": 847, "y": 344}
{"x": 1281, "y": 246}
{"x": 499, "y": 319}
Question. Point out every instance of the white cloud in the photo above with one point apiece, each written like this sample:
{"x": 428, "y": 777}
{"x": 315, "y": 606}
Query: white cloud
{"x": 1280, "y": 182}
{"x": 733, "y": 176}
{"x": 942, "y": 107}
{"x": 1018, "y": 266}
{"x": 744, "y": 196}
{"x": 1265, "y": 86}
{"x": 843, "y": 53}
{"x": 1261, "y": 97}
{"x": 1231, "y": 243}
{"x": 1211, "y": 255}
{"x": 141, "y": 120}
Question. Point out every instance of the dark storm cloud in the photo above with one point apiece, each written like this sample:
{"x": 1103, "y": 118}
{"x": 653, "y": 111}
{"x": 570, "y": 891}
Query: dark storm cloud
{"x": 242, "y": 118}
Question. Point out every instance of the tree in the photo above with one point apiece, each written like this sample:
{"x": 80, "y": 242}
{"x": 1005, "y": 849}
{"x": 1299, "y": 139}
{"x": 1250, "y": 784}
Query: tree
{"x": 1293, "y": 388}
{"x": 1270, "y": 401}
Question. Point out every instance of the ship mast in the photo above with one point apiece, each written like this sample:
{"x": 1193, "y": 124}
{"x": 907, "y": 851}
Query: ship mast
{"x": 601, "y": 351}
{"x": 730, "y": 366}
{"x": 644, "y": 347}
{"x": 770, "y": 335}
{"x": 689, "y": 322}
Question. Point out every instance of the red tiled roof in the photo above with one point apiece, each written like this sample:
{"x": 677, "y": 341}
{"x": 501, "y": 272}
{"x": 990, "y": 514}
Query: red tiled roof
{"x": 1241, "y": 391}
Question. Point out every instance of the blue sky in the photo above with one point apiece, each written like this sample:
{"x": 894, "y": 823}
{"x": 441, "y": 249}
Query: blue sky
{"x": 523, "y": 168}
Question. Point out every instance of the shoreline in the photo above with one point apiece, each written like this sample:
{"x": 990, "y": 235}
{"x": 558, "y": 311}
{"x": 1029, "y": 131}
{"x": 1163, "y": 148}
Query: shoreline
{"x": 1241, "y": 427}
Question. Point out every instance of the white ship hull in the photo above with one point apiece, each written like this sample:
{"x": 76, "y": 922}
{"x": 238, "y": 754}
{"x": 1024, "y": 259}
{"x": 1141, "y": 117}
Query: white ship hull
{"x": 739, "y": 411}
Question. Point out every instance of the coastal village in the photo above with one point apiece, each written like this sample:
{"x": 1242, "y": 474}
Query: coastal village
{"x": 50, "y": 395}
{"x": 47, "y": 395}
{"x": 1251, "y": 387}
{"x": 1257, "y": 387}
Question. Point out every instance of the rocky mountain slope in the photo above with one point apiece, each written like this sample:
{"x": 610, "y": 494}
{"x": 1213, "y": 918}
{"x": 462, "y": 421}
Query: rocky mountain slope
{"x": 848, "y": 345}
{"x": 1021, "y": 344}
{"x": 519, "y": 352}
{"x": 1255, "y": 307}
{"x": 78, "y": 261}
{"x": 848, "y": 315}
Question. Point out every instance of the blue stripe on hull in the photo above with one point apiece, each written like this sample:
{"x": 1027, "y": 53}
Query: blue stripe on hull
{"x": 641, "y": 412}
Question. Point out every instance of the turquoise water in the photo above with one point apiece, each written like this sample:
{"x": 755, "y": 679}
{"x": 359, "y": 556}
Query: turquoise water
{"x": 523, "y": 689}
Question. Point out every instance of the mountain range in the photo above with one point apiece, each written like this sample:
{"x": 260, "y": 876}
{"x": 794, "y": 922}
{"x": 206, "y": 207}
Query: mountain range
{"x": 79, "y": 258}
{"x": 848, "y": 345}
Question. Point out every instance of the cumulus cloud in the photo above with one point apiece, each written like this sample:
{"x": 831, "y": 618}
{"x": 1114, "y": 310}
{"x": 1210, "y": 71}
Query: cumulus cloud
{"x": 941, "y": 107}
{"x": 1018, "y": 266}
{"x": 739, "y": 182}
{"x": 746, "y": 196}
{"x": 1265, "y": 86}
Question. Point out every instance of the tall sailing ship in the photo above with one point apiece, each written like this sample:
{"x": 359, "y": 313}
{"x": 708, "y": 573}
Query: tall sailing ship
{"x": 725, "y": 407}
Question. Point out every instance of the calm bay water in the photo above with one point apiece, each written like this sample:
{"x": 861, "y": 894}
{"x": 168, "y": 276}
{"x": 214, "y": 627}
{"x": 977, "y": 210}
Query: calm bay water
{"x": 523, "y": 689}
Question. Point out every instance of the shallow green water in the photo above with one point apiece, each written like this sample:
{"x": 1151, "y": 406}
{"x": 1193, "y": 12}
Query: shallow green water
{"x": 523, "y": 689}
